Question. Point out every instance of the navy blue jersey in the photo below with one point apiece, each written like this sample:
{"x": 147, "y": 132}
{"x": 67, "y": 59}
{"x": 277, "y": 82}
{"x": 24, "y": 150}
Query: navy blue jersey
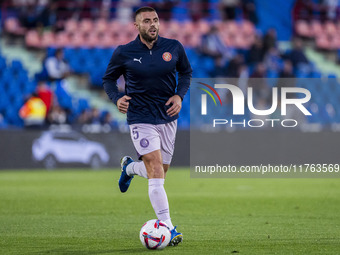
{"x": 150, "y": 78}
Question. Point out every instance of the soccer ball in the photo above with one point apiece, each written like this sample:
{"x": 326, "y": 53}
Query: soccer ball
{"x": 155, "y": 234}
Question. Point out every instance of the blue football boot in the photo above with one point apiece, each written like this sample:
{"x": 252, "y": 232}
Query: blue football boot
{"x": 125, "y": 179}
{"x": 176, "y": 237}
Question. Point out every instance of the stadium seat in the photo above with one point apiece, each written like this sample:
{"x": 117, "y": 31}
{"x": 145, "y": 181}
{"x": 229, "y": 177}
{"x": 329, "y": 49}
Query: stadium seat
{"x": 11, "y": 115}
{"x": 13, "y": 88}
{"x": 17, "y": 102}
{"x": 316, "y": 28}
{"x": 232, "y": 28}
{"x": 106, "y": 41}
{"x": 22, "y": 77}
{"x": 3, "y": 105}
{"x": 82, "y": 104}
{"x": 7, "y": 76}
{"x": 3, "y": 64}
{"x": 16, "y": 66}
{"x": 30, "y": 87}
{"x": 69, "y": 53}
{"x": 62, "y": 40}
{"x": 86, "y": 25}
{"x": 76, "y": 39}
{"x": 91, "y": 40}
{"x": 180, "y": 12}
{"x": 32, "y": 39}
{"x": 335, "y": 42}
{"x": 302, "y": 28}
{"x": 76, "y": 65}
{"x": 188, "y": 27}
{"x": 203, "y": 26}
{"x": 322, "y": 42}
{"x": 64, "y": 99}
{"x": 101, "y": 26}
{"x": 115, "y": 26}
{"x": 330, "y": 28}
{"x": 96, "y": 77}
{"x": 12, "y": 26}
{"x": 71, "y": 26}
{"x": 48, "y": 39}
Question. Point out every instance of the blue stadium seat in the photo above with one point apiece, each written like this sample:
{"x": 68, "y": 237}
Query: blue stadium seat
{"x": 12, "y": 117}
{"x": 3, "y": 64}
{"x": 31, "y": 86}
{"x": 17, "y": 102}
{"x": 207, "y": 63}
{"x": 13, "y": 88}
{"x": 7, "y": 76}
{"x": 96, "y": 77}
{"x": 84, "y": 54}
{"x": 316, "y": 74}
{"x": 64, "y": 99}
{"x": 76, "y": 64}
{"x": 22, "y": 76}
{"x": 332, "y": 76}
{"x": 4, "y": 100}
{"x": 199, "y": 73}
{"x": 180, "y": 12}
{"x": 83, "y": 104}
{"x": 16, "y": 67}
{"x": 69, "y": 53}
{"x": 89, "y": 66}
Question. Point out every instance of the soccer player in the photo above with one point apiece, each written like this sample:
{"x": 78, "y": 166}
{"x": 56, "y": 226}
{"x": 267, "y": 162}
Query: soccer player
{"x": 152, "y": 101}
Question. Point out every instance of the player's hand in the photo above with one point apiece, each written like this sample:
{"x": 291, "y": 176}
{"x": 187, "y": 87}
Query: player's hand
{"x": 176, "y": 102}
{"x": 123, "y": 104}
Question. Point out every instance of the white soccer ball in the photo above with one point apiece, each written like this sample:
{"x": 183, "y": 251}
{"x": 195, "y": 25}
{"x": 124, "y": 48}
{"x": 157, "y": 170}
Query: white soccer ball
{"x": 155, "y": 234}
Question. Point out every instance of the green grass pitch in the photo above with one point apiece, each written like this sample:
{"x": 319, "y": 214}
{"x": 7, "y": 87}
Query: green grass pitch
{"x": 83, "y": 212}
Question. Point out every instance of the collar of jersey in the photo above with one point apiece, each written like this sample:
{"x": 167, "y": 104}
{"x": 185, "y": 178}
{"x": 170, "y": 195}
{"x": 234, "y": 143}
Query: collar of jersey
{"x": 138, "y": 41}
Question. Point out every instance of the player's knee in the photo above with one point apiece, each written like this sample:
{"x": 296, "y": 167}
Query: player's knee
{"x": 156, "y": 171}
{"x": 154, "y": 166}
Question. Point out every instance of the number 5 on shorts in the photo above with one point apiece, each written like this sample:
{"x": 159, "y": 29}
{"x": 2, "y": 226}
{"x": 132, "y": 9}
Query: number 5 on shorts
{"x": 135, "y": 133}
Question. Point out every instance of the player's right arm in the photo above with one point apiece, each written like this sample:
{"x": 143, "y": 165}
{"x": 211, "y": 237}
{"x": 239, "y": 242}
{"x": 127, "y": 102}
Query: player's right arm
{"x": 114, "y": 70}
{"x": 123, "y": 104}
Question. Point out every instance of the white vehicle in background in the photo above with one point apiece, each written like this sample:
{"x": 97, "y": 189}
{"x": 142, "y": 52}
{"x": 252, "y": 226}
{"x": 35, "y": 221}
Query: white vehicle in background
{"x": 54, "y": 147}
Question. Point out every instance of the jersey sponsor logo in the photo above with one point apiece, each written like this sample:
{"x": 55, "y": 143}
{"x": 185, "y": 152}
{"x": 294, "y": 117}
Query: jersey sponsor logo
{"x": 167, "y": 56}
{"x": 138, "y": 60}
{"x": 144, "y": 142}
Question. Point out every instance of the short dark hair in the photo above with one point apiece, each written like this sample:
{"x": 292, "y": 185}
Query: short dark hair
{"x": 144, "y": 9}
{"x": 58, "y": 50}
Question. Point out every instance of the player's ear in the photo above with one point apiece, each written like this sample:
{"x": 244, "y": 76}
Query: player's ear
{"x": 136, "y": 25}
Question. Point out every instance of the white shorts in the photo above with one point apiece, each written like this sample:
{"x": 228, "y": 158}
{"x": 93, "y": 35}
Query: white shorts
{"x": 148, "y": 138}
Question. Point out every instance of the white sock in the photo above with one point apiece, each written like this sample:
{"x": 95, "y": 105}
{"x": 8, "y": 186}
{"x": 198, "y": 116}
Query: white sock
{"x": 159, "y": 200}
{"x": 137, "y": 168}
{"x": 169, "y": 223}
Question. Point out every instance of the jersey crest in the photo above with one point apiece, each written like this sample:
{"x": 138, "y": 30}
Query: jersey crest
{"x": 167, "y": 56}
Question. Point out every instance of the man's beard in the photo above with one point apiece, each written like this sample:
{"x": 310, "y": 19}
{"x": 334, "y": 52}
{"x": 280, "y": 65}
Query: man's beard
{"x": 147, "y": 37}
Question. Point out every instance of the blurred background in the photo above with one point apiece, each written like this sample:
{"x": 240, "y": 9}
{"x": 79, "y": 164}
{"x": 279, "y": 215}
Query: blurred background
{"x": 53, "y": 55}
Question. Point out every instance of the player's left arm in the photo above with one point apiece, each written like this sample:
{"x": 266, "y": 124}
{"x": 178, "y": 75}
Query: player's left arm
{"x": 184, "y": 76}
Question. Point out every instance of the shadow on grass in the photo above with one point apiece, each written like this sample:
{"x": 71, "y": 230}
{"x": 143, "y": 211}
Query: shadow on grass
{"x": 88, "y": 252}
